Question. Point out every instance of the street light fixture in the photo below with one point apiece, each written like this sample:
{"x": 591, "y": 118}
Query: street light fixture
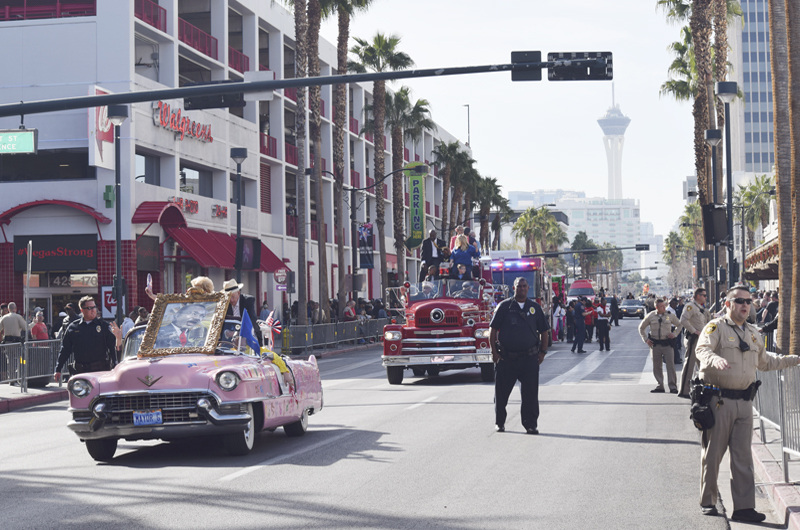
{"x": 714, "y": 138}
{"x": 238, "y": 155}
{"x": 726, "y": 91}
{"x": 117, "y": 114}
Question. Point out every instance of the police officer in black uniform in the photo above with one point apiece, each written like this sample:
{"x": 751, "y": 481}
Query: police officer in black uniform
{"x": 519, "y": 344}
{"x": 93, "y": 341}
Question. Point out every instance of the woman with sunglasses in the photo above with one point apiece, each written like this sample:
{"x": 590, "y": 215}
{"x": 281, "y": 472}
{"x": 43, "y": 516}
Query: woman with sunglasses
{"x": 729, "y": 351}
{"x": 91, "y": 340}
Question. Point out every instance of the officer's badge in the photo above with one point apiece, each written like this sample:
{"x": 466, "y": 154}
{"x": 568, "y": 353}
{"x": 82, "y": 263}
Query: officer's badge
{"x": 754, "y": 338}
{"x": 533, "y": 310}
{"x": 98, "y": 329}
{"x": 688, "y": 308}
{"x": 731, "y": 339}
{"x": 711, "y": 328}
{"x": 237, "y": 327}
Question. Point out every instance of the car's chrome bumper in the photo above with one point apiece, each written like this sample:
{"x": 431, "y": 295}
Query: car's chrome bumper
{"x": 479, "y": 357}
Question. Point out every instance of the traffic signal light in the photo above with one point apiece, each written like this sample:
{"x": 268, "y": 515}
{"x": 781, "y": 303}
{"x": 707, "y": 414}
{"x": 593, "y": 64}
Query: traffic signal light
{"x": 603, "y": 71}
{"x": 214, "y": 102}
{"x": 531, "y": 74}
{"x": 643, "y": 247}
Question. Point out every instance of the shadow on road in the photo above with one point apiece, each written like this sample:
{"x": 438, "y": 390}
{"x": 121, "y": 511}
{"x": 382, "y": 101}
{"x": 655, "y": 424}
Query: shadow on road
{"x": 620, "y": 439}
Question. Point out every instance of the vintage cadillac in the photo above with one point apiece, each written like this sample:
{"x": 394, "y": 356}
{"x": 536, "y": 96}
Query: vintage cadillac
{"x": 447, "y": 328}
{"x": 190, "y": 373}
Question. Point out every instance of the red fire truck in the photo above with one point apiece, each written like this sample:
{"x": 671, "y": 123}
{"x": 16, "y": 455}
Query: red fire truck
{"x": 446, "y": 328}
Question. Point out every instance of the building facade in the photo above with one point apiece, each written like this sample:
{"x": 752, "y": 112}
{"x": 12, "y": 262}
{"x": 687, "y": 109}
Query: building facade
{"x": 178, "y": 188}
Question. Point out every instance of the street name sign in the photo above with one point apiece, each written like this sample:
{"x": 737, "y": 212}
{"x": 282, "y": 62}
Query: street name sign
{"x": 19, "y": 141}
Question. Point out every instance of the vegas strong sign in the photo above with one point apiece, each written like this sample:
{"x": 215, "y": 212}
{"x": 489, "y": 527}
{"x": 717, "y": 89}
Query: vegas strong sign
{"x": 18, "y": 141}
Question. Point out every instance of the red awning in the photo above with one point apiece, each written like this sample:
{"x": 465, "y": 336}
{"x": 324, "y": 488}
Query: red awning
{"x": 5, "y": 217}
{"x": 205, "y": 250}
{"x": 167, "y": 214}
{"x": 270, "y": 262}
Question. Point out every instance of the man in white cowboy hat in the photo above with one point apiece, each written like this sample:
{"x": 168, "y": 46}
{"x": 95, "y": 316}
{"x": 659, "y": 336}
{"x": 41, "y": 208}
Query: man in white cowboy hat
{"x": 239, "y": 303}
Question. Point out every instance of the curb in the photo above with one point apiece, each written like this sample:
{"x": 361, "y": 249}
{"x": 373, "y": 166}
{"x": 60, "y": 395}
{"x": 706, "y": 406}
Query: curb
{"x": 785, "y": 497}
{"x": 10, "y": 405}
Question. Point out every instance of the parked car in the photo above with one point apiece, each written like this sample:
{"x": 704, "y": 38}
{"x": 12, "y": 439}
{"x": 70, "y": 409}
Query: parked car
{"x": 207, "y": 382}
{"x": 631, "y": 308}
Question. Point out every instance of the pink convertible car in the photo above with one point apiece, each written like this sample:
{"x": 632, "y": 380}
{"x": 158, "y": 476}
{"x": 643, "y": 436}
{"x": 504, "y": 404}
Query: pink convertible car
{"x": 212, "y": 386}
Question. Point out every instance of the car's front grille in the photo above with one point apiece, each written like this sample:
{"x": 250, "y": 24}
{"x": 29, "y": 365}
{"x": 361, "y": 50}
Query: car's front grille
{"x": 175, "y": 407}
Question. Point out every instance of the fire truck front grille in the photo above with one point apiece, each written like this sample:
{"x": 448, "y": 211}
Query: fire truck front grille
{"x": 448, "y": 321}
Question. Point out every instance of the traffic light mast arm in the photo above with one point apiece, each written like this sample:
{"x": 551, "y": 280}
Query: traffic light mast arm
{"x": 83, "y": 102}
{"x": 386, "y": 176}
{"x": 640, "y": 247}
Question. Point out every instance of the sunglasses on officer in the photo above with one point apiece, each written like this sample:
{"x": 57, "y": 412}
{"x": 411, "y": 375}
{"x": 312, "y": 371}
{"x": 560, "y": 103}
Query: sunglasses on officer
{"x": 742, "y": 301}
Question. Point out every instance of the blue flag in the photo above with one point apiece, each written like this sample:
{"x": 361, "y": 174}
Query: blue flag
{"x": 249, "y": 334}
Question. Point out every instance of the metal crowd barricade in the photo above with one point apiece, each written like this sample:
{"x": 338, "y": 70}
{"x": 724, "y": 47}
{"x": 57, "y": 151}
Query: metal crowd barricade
{"x": 30, "y": 364}
{"x": 12, "y": 359}
{"x": 301, "y": 340}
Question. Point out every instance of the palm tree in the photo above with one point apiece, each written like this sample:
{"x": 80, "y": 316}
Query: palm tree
{"x": 488, "y": 197}
{"x": 315, "y": 12}
{"x": 444, "y": 156}
{"x": 793, "y": 38}
{"x": 692, "y": 231}
{"x": 524, "y": 228}
{"x": 460, "y": 175}
{"x": 779, "y": 65}
{"x": 380, "y": 55}
{"x": 345, "y": 9}
{"x": 405, "y": 122}
{"x": 469, "y": 186}
{"x": 583, "y": 242}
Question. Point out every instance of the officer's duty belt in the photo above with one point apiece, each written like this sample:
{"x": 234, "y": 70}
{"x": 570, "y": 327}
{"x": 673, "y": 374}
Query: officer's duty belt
{"x": 661, "y": 342}
{"x": 748, "y": 394}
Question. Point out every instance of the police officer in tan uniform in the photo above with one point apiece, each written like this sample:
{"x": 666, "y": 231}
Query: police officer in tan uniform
{"x": 694, "y": 318}
{"x": 729, "y": 352}
{"x": 660, "y": 341}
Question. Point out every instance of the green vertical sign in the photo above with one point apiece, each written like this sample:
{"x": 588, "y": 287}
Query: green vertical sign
{"x": 416, "y": 172}
{"x": 18, "y": 141}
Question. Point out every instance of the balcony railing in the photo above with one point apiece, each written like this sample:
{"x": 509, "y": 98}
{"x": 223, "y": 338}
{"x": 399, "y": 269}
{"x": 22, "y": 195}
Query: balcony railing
{"x": 262, "y": 68}
{"x": 322, "y": 107}
{"x": 324, "y": 164}
{"x": 368, "y": 136}
{"x": 384, "y": 142}
{"x": 436, "y": 171}
{"x": 269, "y": 146}
{"x": 151, "y": 13}
{"x": 436, "y": 211}
{"x": 197, "y": 39}
{"x": 406, "y": 198}
{"x": 238, "y": 61}
{"x": 291, "y": 154}
{"x": 315, "y": 233}
{"x": 55, "y": 9}
{"x": 355, "y": 179}
{"x": 406, "y": 154}
{"x": 416, "y": 158}
{"x": 291, "y": 93}
{"x": 370, "y": 183}
{"x": 428, "y": 207}
{"x": 291, "y": 225}
{"x": 354, "y": 126}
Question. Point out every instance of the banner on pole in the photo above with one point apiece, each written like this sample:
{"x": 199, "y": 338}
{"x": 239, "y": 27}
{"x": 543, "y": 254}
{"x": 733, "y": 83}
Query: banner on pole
{"x": 365, "y": 238}
{"x": 416, "y": 203}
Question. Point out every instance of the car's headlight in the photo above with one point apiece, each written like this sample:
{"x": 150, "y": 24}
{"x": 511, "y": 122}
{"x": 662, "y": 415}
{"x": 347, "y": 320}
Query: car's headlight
{"x": 227, "y": 380}
{"x": 392, "y": 335}
{"x": 80, "y": 387}
{"x": 482, "y": 333}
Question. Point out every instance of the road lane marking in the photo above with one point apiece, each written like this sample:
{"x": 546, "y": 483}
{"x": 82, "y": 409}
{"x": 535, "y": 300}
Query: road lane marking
{"x": 275, "y": 460}
{"x": 412, "y": 407}
{"x": 336, "y": 382}
{"x": 647, "y": 377}
{"x": 581, "y": 370}
{"x": 350, "y": 367}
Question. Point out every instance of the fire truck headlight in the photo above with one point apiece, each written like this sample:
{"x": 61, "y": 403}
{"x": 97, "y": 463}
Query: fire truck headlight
{"x": 482, "y": 333}
{"x": 392, "y": 335}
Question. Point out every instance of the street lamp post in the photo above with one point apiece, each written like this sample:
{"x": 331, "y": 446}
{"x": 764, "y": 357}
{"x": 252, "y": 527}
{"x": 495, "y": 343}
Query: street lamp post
{"x": 238, "y": 155}
{"x": 117, "y": 114}
{"x": 726, "y": 91}
{"x": 713, "y": 138}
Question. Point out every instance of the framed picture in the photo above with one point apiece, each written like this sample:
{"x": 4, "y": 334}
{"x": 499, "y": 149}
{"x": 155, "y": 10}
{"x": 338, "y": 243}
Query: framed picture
{"x": 184, "y": 323}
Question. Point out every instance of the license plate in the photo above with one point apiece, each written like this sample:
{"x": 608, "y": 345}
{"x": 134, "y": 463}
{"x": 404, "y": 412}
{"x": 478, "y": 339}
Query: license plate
{"x": 147, "y": 417}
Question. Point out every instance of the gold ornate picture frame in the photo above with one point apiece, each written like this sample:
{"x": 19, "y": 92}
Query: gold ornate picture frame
{"x": 202, "y": 314}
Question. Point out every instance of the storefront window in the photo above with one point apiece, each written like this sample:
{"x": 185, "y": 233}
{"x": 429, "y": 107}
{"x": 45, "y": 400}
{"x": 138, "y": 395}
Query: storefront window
{"x": 47, "y": 165}
{"x": 197, "y": 182}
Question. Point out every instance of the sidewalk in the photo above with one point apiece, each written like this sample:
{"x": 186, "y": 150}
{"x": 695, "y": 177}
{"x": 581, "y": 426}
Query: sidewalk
{"x": 11, "y": 398}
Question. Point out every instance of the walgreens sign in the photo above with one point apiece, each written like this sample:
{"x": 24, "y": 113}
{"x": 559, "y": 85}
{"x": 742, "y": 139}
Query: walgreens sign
{"x": 164, "y": 116}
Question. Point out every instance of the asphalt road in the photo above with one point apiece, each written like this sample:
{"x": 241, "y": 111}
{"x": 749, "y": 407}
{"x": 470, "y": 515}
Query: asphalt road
{"x": 420, "y": 455}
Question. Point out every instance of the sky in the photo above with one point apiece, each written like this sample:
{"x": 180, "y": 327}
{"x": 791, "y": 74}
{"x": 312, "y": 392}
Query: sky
{"x": 544, "y": 135}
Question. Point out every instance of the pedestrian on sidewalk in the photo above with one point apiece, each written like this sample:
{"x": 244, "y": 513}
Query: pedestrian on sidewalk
{"x": 590, "y": 317}
{"x": 659, "y": 339}
{"x": 694, "y": 318}
{"x": 518, "y": 339}
{"x": 730, "y": 351}
{"x": 570, "y": 318}
{"x": 93, "y": 341}
{"x": 614, "y": 311}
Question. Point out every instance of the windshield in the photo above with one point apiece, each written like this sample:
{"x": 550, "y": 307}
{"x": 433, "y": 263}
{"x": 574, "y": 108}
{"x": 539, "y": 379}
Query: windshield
{"x": 581, "y": 291}
{"x": 464, "y": 289}
{"x": 631, "y": 302}
{"x": 499, "y": 278}
{"x": 228, "y": 342}
{"x": 432, "y": 290}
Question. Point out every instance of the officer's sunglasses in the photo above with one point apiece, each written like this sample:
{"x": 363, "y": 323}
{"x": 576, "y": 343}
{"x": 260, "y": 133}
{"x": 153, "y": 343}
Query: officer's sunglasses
{"x": 742, "y": 301}
{"x": 90, "y": 308}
